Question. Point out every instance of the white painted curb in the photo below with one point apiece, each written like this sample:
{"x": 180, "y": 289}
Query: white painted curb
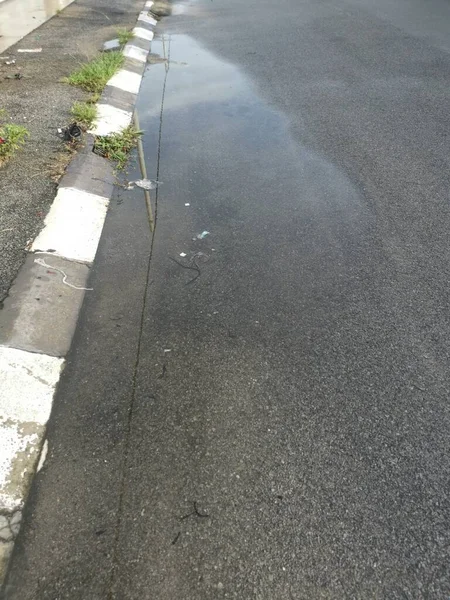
{"x": 72, "y": 231}
{"x": 126, "y": 81}
{"x": 73, "y": 226}
{"x": 27, "y": 384}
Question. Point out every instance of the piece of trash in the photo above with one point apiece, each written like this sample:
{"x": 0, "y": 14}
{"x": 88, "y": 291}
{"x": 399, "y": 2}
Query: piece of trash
{"x": 202, "y": 235}
{"x": 187, "y": 204}
{"x": 130, "y": 186}
{"x": 42, "y": 263}
{"x": 176, "y": 538}
{"x": 15, "y": 76}
{"x": 167, "y": 350}
{"x": 10, "y": 62}
{"x": 183, "y": 254}
{"x": 72, "y": 132}
{"x": 193, "y": 264}
{"x": 111, "y": 45}
{"x": 196, "y": 512}
{"x": 29, "y": 50}
{"x": 147, "y": 184}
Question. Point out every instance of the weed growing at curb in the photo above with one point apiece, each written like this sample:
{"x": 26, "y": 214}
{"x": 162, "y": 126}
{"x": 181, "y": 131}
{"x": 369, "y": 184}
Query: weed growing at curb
{"x": 12, "y": 138}
{"x": 84, "y": 113}
{"x": 94, "y": 75}
{"x": 117, "y": 147}
{"x": 93, "y": 99}
{"x": 124, "y": 35}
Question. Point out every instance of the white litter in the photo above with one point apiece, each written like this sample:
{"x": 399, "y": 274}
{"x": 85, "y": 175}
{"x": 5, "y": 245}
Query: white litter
{"x": 29, "y": 50}
{"x": 42, "y": 263}
{"x": 187, "y": 204}
{"x": 147, "y": 184}
{"x": 167, "y": 350}
{"x": 202, "y": 235}
{"x": 183, "y": 254}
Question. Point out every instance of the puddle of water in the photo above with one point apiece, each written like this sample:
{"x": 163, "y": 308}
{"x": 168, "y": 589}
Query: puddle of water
{"x": 19, "y": 17}
{"x": 179, "y": 9}
{"x": 214, "y": 113}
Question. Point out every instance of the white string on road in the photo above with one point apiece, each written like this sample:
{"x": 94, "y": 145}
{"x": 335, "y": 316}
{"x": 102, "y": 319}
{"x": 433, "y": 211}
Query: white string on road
{"x": 42, "y": 263}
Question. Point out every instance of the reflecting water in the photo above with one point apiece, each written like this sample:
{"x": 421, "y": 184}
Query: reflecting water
{"x": 19, "y": 17}
{"x": 212, "y": 102}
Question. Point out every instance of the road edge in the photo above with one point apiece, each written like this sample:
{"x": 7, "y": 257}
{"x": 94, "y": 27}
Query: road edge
{"x": 39, "y": 315}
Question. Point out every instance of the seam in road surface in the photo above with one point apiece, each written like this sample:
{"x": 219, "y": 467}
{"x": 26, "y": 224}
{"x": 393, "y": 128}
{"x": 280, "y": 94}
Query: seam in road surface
{"x": 115, "y": 561}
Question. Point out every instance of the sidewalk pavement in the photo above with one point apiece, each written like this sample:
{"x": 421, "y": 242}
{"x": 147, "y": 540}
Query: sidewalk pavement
{"x": 42, "y": 104}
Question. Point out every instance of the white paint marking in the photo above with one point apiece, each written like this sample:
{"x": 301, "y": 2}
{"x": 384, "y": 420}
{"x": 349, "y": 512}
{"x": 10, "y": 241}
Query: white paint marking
{"x": 143, "y": 16}
{"x": 43, "y": 456}
{"x": 139, "y": 54}
{"x": 126, "y": 81}
{"x": 27, "y": 383}
{"x": 110, "y": 120}
{"x": 13, "y": 443}
{"x": 144, "y": 34}
{"x": 73, "y": 226}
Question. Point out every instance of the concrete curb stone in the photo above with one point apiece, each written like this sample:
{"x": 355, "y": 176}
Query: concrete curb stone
{"x": 39, "y": 315}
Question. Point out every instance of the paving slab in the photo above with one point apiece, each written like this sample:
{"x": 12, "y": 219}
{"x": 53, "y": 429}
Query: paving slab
{"x": 41, "y": 310}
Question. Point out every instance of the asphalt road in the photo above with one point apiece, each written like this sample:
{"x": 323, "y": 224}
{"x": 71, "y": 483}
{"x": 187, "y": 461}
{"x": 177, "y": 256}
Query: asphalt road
{"x": 278, "y": 427}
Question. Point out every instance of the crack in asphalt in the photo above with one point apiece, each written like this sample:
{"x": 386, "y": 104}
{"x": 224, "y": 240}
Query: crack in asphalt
{"x": 115, "y": 561}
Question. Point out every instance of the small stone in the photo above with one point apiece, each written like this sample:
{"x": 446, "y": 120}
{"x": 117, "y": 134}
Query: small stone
{"x": 111, "y": 45}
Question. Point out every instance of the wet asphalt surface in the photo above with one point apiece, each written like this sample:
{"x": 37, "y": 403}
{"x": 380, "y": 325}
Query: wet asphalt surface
{"x": 279, "y": 427}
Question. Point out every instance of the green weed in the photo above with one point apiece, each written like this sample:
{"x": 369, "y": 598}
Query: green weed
{"x": 124, "y": 36}
{"x": 84, "y": 113}
{"x": 118, "y": 146}
{"x": 12, "y": 138}
{"x": 94, "y": 75}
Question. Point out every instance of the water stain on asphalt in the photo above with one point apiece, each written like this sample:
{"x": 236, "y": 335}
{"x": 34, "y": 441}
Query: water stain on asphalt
{"x": 19, "y": 17}
{"x": 192, "y": 100}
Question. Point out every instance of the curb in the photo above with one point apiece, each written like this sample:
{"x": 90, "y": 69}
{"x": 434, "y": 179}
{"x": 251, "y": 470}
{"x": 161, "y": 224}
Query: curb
{"x": 39, "y": 315}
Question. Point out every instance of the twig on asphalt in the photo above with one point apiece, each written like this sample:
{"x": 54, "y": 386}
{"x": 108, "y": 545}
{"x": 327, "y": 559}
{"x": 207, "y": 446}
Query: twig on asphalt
{"x": 176, "y": 538}
{"x": 195, "y": 513}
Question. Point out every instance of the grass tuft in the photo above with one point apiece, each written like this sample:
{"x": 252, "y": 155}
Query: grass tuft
{"x": 93, "y": 99}
{"x": 124, "y": 36}
{"x": 84, "y": 113}
{"x": 118, "y": 146}
{"x": 94, "y": 75}
{"x": 12, "y": 138}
